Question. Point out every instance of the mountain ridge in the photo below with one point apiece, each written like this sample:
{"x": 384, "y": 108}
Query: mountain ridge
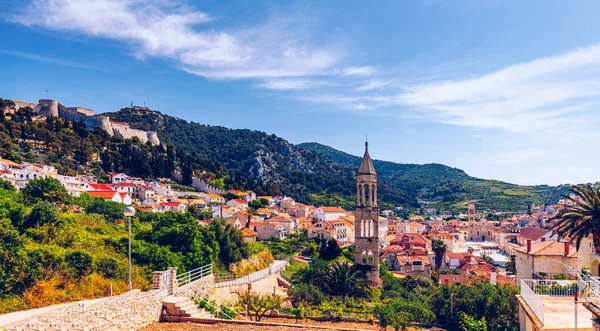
{"x": 319, "y": 174}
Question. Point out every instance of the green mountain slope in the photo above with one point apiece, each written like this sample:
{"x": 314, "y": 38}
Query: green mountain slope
{"x": 264, "y": 163}
{"x": 448, "y": 188}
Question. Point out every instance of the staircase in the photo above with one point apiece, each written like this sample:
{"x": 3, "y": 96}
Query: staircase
{"x": 185, "y": 307}
{"x": 283, "y": 282}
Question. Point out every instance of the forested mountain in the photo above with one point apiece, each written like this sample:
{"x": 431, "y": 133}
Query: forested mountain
{"x": 255, "y": 160}
{"x": 247, "y": 159}
{"x": 320, "y": 174}
{"x": 447, "y": 186}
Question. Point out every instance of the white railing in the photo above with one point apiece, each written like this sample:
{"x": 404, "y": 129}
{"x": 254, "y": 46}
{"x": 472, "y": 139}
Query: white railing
{"x": 193, "y": 275}
{"x": 551, "y": 287}
{"x": 532, "y": 300}
{"x": 226, "y": 280}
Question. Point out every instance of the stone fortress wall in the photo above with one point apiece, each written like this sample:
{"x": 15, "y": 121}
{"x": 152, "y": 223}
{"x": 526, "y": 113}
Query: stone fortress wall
{"x": 53, "y": 108}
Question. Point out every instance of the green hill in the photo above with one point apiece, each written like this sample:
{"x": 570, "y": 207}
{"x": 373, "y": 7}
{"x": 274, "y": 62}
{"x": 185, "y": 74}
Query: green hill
{"x": 247, "y": 159}
{"x": 448, "y": 188}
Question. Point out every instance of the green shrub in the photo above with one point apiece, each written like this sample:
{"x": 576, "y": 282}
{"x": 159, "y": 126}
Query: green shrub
{"x": 79, "y": 263}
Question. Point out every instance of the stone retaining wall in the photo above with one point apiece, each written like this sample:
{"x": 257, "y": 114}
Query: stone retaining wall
{"x": 129, "y": 311}
{"x": 198, "y": 288}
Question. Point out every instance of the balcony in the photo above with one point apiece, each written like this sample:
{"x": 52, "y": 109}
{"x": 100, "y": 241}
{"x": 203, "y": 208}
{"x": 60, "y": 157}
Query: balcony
{"x": 552, "y": 303}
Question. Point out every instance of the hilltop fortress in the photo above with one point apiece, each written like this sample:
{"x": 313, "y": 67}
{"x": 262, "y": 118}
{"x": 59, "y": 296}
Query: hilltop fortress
{"x": 53, "y": 108}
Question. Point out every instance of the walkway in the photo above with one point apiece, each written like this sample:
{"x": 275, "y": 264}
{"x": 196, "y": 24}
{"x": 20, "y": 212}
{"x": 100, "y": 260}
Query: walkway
{"x": 6, "y": 319}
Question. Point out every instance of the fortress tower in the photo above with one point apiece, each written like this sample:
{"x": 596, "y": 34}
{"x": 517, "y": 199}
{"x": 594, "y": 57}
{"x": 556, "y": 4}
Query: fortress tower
{"x": 366, "y": 226}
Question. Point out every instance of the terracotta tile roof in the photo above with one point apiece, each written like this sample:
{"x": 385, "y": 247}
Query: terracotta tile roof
{"x": 548, "y": 248}
{"x": 10, "y": 163}
{"x": 457, "y": 255}
{"x": 333, "y": 209}
{"x": 246, "y": 232}
{"x": 533, "y": 233}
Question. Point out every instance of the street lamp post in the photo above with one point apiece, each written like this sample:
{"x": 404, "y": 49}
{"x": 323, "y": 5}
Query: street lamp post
{"x": 129, "y": 212}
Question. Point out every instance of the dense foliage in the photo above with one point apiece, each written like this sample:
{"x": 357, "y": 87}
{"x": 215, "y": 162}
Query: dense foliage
{"x": 402, "y": 302}
{"x": 50, "y": 252}
{"x": 580, "y": 217}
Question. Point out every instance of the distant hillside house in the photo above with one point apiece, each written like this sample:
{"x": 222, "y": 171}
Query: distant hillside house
{"x": 115, "y": 196}
{"x": 329, "y": 213}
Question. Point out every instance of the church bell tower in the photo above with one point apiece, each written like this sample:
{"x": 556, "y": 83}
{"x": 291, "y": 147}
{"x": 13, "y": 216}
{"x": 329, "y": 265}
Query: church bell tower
{"x": 366, "y": 226}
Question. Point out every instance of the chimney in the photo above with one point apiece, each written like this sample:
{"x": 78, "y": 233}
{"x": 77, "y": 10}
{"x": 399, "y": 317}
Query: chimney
{"x": 567, "y": 248}
{"x": 543, "y": 239}
{"x": 528, "y": 245}
{"x": 494, "y": 277}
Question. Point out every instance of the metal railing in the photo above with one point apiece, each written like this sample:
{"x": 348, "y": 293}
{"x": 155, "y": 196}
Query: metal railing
{"x": 534, "y": 302}
{"x": 193, "y": 275}
{"x": 226, "y": 280}
{"x": 551, "y": 287}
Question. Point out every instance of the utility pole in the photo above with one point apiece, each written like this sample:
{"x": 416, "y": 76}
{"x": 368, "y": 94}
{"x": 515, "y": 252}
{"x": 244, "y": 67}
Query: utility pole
{"x": 129, "y": 212}
{"x": 452, "y": 305}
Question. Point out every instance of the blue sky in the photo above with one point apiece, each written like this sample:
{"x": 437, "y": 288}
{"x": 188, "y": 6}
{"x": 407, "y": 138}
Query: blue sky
{"x": 506, "y": 90}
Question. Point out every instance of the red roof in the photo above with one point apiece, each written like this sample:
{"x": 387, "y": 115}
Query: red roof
{"x": 102, "y": 194}
{"x": 123, "y": 195}
{"x": 171, "y": 204}
{"x": 457, "y": 255}
{"x": 102, "y": 187}
{"x": 240, "y": 200}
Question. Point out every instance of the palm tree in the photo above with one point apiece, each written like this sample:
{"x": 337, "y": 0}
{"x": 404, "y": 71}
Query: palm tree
{"x": 439, "y": 248}
{"x": 313, "y": 274}
{"x": 580, "y": 217}
{"x": 344, "y": 279}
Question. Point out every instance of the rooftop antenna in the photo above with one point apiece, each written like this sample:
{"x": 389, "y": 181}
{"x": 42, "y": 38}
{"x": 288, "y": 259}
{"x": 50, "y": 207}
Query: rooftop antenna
{"x": 144, "y": 103}
{"x": 131, "y": 103}
{"x": 47, "y": 94}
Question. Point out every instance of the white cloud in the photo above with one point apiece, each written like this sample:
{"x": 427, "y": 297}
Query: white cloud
{"x": 372, "y": 85}
{"x": 530, "y": 96}
{"x": 358, "y": 71}
{"x": 290, "y": 84}
{"x": 170, "y": 30}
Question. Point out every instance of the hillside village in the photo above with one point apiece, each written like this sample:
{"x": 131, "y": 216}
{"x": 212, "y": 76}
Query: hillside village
{"x": 406, "y": 243}
{"x": 513, "y": 249}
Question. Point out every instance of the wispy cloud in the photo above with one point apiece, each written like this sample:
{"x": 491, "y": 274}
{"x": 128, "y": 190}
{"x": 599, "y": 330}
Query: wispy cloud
{"x": 284, "y": 84}
{"x": 46, "y": 59}
{"x": 528, "y": 96}
{"x": 171, "y": 30}
{"x": 358, "y": 71}
{"x": 372, "y": 85}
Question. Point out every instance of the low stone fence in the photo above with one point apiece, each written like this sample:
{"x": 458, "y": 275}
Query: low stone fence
{"x": 129, "y": 311}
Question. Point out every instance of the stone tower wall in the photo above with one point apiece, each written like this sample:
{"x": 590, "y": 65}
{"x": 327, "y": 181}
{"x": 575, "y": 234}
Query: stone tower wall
{"x": 48, "y": 107}
{"x": 366, "y": 242}
{"x": 53, "y": 108}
